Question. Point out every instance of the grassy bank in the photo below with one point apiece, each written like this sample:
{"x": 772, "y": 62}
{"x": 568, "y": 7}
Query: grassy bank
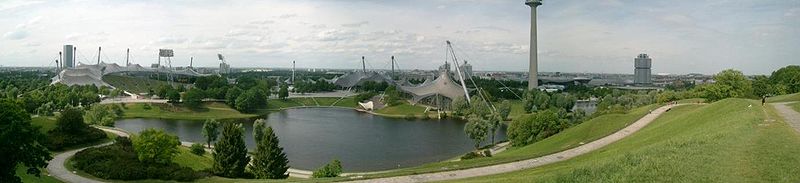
{"x": 167, "y": 111}
{"x": 784, "y": 98}
{"x": 583, "y": 133}
{"x": 43, "y": 177}
{"x": 721, "y": 142}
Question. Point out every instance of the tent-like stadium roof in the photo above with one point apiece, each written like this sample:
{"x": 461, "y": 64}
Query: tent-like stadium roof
{"x": 443, "y": 85}
{"x": 356, "y": 78}
{"x": 93, "y": 74}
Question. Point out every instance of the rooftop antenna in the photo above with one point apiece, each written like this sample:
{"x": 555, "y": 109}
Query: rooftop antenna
{"x": 363, "y": 65}
{"x": 98, "y": 55}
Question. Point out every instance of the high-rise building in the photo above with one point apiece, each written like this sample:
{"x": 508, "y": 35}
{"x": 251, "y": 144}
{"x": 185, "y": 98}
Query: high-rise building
{"x": 467, "y": 70}
{"x": 642, "y": 72}
{"x": 69, "y": 56}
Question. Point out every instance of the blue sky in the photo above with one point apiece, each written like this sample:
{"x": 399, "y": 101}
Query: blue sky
{"x": 682, "y": 36}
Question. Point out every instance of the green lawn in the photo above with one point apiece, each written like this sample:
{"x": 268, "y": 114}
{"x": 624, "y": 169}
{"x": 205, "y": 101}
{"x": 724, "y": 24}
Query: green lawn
{"x": 186, "y": 159}
{"x": 585, "y": 132}
{"x": 43, "y": 177}
{"x": 347, "y": 102}
{"x": 402, "y": 109}
{"x": 784, "y": 98}
{"x": 168, "y": 111}
{"x": 726, "y": 141}
{"x": 795, "y": 106}
{"x": 327, "y": 101}
{"x": 46, "y": 123}
{"x": 517, "y": 109}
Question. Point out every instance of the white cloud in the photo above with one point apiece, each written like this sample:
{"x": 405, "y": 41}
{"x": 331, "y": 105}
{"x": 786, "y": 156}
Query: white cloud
{"x": 16, "y": 35}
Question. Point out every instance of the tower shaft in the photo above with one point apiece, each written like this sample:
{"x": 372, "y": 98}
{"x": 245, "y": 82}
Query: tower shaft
{"x": 533, "y": 69}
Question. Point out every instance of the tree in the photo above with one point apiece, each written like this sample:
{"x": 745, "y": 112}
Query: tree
{"x": 163, "y": 90}
{"x": 332, "y": 169}
{"x": 787, "y": 78}
{"x": 71, "y": 121}
{"x": 250, "y": 100}
{"x": 729, "y": 84}
{"x": 532, "y": 128}
{"x": 494, "y": 124}
{"x": 20, "y": 143}
{"x": 210, "y": 131}
{"x": 231, "y": 96}
{"x": 269, "y": 161}
{"x": 104, "y": 115}
{"x": 193, "y": 97}
{"x": 459, "y": 107}
{"x": 477, "y": 129}
{"x": 258, "y": 129}
{"x": 283, "y": 92}
{"x": 504, "y": 109}
{"x": 762, "y": 86}
{"x": 155, "y": 146}
{"x": 173, "y": 96}
{"x": 230, "y": 152}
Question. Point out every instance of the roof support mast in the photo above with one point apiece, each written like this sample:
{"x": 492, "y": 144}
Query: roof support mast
{"x": 98, "y": 54}
{"x": 458, "y": 70}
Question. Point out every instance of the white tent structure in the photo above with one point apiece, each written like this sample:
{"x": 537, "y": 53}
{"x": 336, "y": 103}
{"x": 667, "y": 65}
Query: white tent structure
{"x": 442, "y": 86}
{"x": 93, "y": 74}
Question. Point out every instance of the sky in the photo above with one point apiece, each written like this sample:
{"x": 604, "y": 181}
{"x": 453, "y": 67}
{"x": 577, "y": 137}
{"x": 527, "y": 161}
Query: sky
{"x": 600, "y": 36}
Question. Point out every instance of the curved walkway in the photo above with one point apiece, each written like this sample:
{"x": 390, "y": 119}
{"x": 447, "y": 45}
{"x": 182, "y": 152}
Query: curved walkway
{"x": 58, "y": 170}
{"x": 790, "y": 115}
{"x": 530, "y": 163}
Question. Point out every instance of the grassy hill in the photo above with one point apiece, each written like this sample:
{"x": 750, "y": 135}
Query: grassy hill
{"x": 784, "y": 98}
{"x": 726, "y": 141}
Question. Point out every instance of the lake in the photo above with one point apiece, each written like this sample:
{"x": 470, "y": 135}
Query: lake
{"x": 312, "y": 137}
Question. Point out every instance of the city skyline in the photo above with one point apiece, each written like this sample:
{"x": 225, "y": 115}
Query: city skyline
{"x": 574, "y": 36}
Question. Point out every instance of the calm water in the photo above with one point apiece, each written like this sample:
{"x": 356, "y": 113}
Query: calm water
{"x": 312, "y": 137}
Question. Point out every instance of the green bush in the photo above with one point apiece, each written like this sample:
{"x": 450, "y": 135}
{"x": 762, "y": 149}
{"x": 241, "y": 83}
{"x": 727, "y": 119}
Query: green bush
{"x": 470, "y": 155}
{"x": 197, "y": 148}
{"x": 332, "y": 169}
{"x": 147, "y": 107}
{"x": 104, "y": 162}
{"x": 72, "y": 131}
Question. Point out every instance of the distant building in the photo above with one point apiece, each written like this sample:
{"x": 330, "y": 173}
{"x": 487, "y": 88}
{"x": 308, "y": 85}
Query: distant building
{"x": 224, "y": 68}
{"x": 467, "y": 70}
{"x": 69, "y": 56}
{"x": 642, "y": 72}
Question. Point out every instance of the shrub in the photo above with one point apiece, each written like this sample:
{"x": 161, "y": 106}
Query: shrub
{"x": 155, "y": 146}
{"x": 332, "y": 169}
{"x": 104, "y": 162}
{"x": 71, "y": 131}
{"x": 198, "y": 149}
{"x": 147, "y": 107}
{"x": 470, "y": 155}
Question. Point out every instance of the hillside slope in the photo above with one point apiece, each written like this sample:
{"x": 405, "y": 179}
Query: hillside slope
{"x": 726, "y": 141}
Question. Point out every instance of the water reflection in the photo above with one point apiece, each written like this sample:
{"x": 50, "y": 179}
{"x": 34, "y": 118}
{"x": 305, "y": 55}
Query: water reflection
{"x": 312, "y": 137}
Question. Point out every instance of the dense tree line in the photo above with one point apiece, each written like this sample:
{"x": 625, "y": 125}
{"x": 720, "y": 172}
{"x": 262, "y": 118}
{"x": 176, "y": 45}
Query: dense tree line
{"x": 305, "y": 86}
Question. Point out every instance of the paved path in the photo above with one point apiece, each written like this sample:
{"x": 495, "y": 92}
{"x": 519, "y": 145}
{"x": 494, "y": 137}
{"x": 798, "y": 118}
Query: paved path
{"x": 790, "y": 115}
{"x": 57, "y": 169}
{"x": 530, "y": 163}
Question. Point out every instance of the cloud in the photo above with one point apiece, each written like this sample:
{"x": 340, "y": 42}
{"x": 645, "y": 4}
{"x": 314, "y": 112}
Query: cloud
{"x": 285, "y": 16}
{"x": 356, "y": 24}
{"x": 336, "y": 35}
{"x": 16, "y": 35}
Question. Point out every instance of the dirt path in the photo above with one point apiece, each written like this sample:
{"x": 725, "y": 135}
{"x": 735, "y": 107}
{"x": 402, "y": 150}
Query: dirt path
{"x": 790, "y": 115}
{"x": 530, "y": 163}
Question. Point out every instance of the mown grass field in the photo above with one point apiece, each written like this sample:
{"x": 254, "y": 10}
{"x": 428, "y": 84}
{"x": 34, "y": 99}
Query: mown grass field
{"x": 402, "y": 109}
{"x": 185, "y": 158}
{"x": 784, "y": 98}
{"x": 45, "y": 123}
{"x": 585, "y": 132}
{"x": 726, "y": 141}
{"x": 167, "y": 111}
{"x": 795, "y": 106}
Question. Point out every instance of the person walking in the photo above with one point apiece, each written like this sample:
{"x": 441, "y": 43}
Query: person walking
{"x": 763, "y": 100}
